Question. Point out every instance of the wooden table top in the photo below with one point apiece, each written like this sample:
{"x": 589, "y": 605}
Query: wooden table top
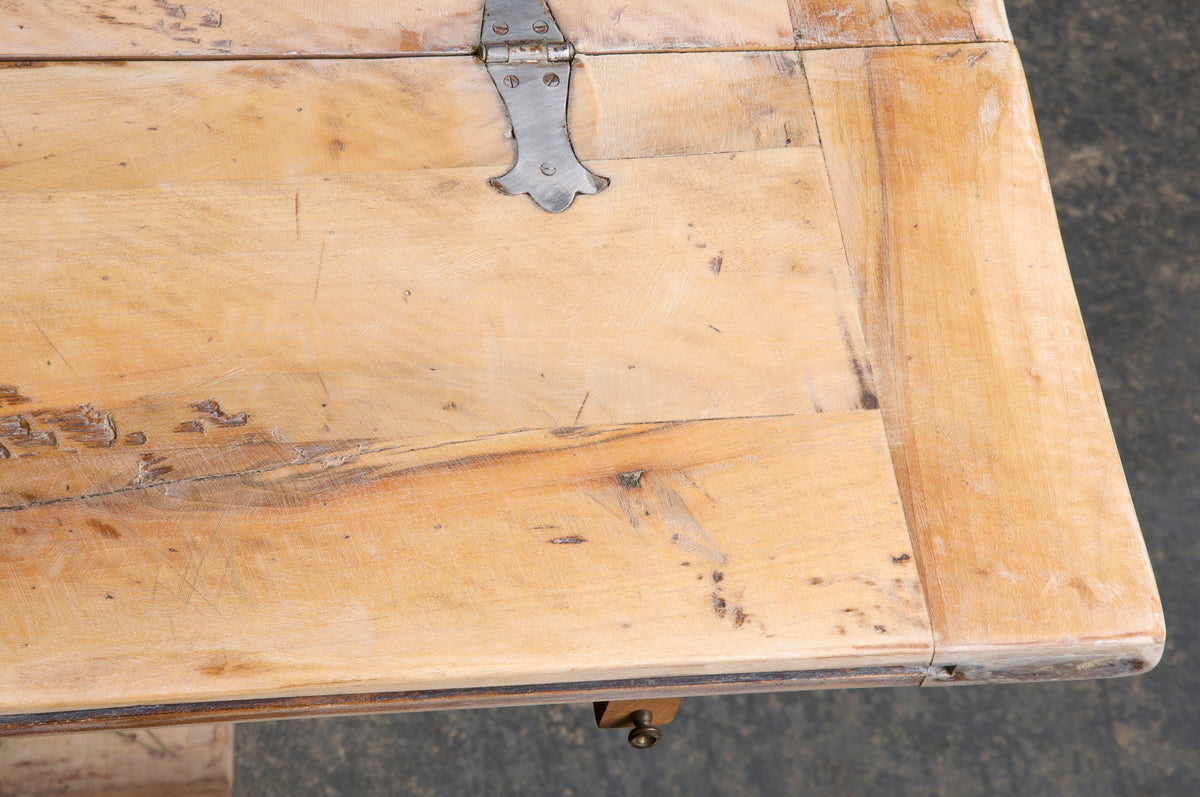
{"x": 299, "y": 415}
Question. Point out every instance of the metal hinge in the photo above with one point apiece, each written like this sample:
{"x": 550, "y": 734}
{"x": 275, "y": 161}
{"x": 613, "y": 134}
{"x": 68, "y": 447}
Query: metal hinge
{"x": 530, "y": 63}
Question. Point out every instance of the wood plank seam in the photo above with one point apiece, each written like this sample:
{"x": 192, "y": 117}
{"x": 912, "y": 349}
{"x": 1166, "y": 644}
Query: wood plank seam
{"x": 870, "y": 357}
{"x": 1127, "y": 635}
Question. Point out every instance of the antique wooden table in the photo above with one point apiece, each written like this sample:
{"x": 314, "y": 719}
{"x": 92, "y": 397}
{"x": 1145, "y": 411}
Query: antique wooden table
{"x": 300, "y": 415}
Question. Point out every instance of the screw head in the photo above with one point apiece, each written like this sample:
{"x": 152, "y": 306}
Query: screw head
{"x": 540, "y": 26}
{"x": 548, "y": 169}
{"x": 499, "y": 28}
{"x": 550, "y": 79}
{"x": 511, "y": 81}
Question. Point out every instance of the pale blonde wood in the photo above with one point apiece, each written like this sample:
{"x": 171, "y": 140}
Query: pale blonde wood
{"x": 275, "y": 28}
{"x": 933, "y": 21}
{"x": 615, "y": 26}
{"x": 618, "y": 713}
{"x": 869, "y": 23}
{"x": 531, "y": 557}
{"x": 842, "y": 23}
{"x": 161, "y": 28}
{"x": 340, "y": 433}
{"x": 1012, "y": 486}
{"x": 689, "y": 103}
{"x": 333, "y": 312}
{"x": 243, "y": 28}
{"x": 187, "y": 761}
{"x": 152, "y": 123}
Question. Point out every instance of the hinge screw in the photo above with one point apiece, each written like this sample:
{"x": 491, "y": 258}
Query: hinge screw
{"x": 511, "y": 81}
{"x": 540, "y": 26}
{"x": 548, "y": 169}
{"x": 500, "y": 28}
{"x": 550, "y": 79}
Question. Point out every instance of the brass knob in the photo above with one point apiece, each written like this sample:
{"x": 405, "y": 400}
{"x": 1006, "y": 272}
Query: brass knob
{"x": 644, "y": 735}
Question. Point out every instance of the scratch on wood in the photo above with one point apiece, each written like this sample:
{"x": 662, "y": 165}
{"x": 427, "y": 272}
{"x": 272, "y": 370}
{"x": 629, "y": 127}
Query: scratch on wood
{"x": 572, "y": 540}
{"x": 582, "y": 404}
{"x": 46, "y": 337}
{"x": 320, "y": 267}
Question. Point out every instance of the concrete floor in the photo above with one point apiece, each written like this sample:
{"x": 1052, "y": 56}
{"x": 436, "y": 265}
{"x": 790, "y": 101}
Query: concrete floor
{"x": 1116, "y": 87}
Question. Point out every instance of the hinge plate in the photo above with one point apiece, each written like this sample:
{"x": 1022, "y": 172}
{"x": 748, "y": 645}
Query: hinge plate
{"x": 530, "y": 63}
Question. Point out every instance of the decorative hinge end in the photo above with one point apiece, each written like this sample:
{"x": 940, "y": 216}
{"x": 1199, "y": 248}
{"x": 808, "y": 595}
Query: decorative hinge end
{"x": 530, "y": 63}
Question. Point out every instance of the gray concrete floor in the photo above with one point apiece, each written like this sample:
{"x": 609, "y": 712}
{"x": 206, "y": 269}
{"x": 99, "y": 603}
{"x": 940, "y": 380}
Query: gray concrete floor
{"x": 1116, "y": 87}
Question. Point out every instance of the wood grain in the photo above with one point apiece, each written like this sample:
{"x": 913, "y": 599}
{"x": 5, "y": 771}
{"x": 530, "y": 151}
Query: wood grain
{"x": 628, "y": 106}
{"x": 158, "y": 333}
{"x": 534, "y": 557}
{"x": 185, "y": 761}
{"x": 66, "y": 29}
{"x": 235, "y": 28}
{"x": 868, "y": 23}
{"x": 949, "y": 21}
{"x": 1013, "y": 490}
{"x": 619, "y": 26}
{"x": 169, "y": 124}
{"x": 276, "y": 28}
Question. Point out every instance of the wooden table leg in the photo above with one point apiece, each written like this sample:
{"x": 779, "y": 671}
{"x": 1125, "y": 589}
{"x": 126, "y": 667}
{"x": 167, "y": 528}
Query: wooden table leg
{"x": 191, "y": 761}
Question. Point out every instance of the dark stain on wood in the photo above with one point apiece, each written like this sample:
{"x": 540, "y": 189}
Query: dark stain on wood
{"x": 135, "y": 439}
{"x": 867, "y": 400}
{"x": 189, "y": 427}
{"x": 901, "y": 559}
{"x": 104, "y": 529}
{"x": 715, "y": 264}
{"x": 631, "y": 479}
